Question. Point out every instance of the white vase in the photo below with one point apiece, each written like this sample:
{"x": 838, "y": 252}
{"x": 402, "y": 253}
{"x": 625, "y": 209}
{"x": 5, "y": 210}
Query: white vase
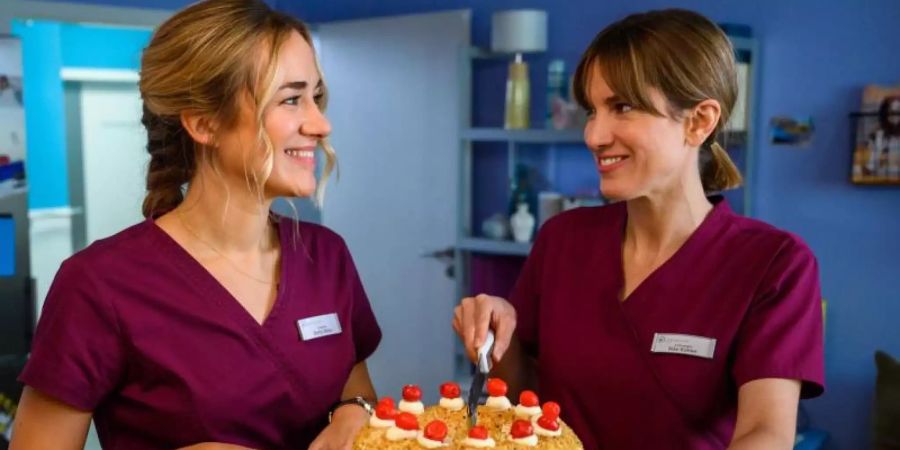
{"x": 522, "y": 223}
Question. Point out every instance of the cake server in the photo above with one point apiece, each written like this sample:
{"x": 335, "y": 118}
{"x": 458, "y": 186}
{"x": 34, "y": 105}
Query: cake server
{"x": 482, "y": 368}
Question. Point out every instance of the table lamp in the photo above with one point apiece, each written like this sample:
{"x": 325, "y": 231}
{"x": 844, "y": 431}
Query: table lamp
{"x": 517, "y": 32}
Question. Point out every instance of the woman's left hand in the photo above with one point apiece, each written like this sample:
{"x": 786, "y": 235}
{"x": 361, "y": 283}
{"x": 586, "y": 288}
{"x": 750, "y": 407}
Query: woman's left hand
{"x": 345, "y": 425}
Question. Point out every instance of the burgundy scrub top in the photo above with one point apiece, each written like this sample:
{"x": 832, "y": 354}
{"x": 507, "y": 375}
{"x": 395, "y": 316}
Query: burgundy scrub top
{"x": 751, "y": 287}
{"x": 137, "y": 331}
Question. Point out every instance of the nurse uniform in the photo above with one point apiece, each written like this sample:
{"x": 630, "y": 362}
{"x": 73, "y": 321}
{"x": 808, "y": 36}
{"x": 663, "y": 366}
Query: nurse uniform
{"x": 137, "y": 331}
{"x": 739, "y": 301}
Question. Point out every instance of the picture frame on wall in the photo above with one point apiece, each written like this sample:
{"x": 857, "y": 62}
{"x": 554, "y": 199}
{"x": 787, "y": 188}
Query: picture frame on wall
{"x": 12, "y": 116}
{"x": 876, "y": 154}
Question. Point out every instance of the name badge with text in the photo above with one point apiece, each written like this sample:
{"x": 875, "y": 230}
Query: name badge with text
{"x": 684, "y": 344}
{"x": 319, "y": 326}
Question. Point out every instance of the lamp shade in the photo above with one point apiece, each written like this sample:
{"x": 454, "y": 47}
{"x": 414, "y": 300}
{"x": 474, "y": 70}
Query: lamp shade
{"x": 519, "y": 31}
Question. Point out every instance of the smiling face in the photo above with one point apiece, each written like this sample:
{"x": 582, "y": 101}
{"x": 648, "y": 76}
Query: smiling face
{"x": 637, "y": 153}
{"x": 660, "y": 84}
{"x": 293, "y": 121}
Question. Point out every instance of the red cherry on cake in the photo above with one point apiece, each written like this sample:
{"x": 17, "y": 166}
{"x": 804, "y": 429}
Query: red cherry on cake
{"x": 412, "y": 393}
{"x": 436, "y": 431}
{"x": 528, "y": 399}
{"x": 548, "y": 423}
{"x": 406, "y": 421}
{"x": 478, "y": 432}
{"x": 521, "y": 429}
{"x": 450, "y": 390}
{"x": 385, "y": 411}
{"x": 387, "y": 401}
{"x": 496, "y": 387}
{"x": 551, "y": 409}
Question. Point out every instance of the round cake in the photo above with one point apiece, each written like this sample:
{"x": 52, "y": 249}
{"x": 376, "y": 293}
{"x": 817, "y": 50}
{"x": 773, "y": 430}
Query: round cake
{"x": 410, "y": 425}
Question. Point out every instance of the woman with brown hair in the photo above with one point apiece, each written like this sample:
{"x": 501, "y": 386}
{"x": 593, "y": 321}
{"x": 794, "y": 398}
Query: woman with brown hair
{"x": 214, "y": 323}
{"x": 663, "y": 320}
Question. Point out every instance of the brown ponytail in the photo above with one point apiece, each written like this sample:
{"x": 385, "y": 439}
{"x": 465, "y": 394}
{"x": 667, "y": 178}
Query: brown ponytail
{"x": 172, "y": 163}
{"x": 719, "y": 173}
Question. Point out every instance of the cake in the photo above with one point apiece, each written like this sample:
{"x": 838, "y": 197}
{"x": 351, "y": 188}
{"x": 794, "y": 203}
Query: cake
{"x": 502, "y": 426}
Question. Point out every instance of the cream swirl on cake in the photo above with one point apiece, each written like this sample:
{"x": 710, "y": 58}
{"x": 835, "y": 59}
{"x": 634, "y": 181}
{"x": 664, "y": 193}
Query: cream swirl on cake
{"x": 522, "y": 433}
{"x": 529, "y": 405}
{"x": 384, "y": 414}
{"x": 412, "y": 400}
{"x": 479, "y": 438}
{"x": 497, "y": 389}
{"x": 434, "y": 435}
{"x": 406, "y": 426}
{"x": 547, "y": 424}
{"x": 450, "y": 397}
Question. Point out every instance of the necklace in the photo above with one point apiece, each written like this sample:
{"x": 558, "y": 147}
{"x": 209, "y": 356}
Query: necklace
{"x": 223, "y": 256}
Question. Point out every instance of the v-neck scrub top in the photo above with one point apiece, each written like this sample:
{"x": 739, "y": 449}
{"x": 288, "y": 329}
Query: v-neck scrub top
{"x": 137, "y": 331}
{"x": 748, "y": 286}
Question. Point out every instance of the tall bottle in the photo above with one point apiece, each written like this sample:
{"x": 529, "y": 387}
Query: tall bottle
{"x": 517, "y": 95}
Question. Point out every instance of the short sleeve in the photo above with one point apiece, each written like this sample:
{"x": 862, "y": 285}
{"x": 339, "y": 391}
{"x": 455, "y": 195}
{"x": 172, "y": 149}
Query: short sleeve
{"x": 782, "y": 334}
{"x": 77, "y": 355}
{"x": 526, "y": 294}
{"x": 366, "y": 332}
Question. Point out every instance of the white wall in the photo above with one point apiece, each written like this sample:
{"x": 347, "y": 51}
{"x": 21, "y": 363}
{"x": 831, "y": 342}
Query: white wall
{"x": 51, "y": 243}
{"x": 114, "y": 157}
{"x": 394, "y": 104}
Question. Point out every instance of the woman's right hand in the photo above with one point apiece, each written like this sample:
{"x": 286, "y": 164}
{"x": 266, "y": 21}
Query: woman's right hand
{"x": 475, "y": 315}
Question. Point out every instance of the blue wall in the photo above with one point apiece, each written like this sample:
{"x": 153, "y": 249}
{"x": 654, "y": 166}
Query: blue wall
{"x": 103, "y": 47}
{"x": 48, "y": 47}
{"x": 149, "y": 4}
{"x": 45, "y": 160}
{"x": 815, "y": 58}
{"x": 154, "y": 4}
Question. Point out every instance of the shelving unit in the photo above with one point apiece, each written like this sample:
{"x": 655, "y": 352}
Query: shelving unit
{"x": 493, "y": 246}
{"x": 534, "y": 136}
{"x": 468, "y": 242}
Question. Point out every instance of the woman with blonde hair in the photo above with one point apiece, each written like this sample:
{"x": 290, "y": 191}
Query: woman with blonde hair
{"x": 214, "y": 323}
{"x": 663, "y": 320}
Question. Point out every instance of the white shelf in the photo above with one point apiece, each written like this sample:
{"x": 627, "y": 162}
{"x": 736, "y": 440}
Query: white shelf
{"x": 536, "y": 136}
{"x": 494, "y": 247}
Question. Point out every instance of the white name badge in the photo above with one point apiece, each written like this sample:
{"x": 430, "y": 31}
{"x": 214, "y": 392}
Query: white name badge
{"x": 683, "y": 344}
{"x": 319, "y": 326}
